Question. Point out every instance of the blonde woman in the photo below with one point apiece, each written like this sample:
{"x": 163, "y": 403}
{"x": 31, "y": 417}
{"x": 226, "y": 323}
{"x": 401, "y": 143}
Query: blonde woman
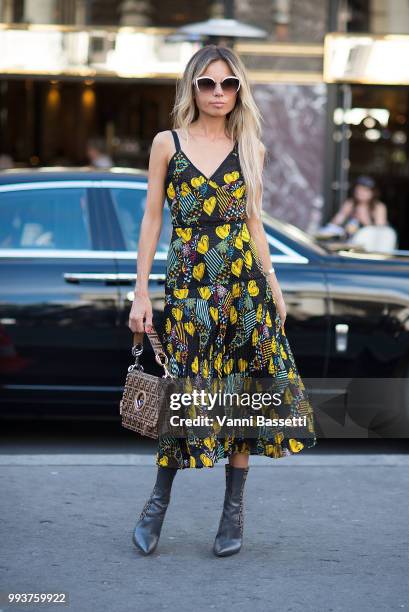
{"x": 224, "y": 309}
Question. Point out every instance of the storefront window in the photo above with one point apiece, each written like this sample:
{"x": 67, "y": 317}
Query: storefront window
{"x": 378, "y": 16}
{"x": 136, "y": 13}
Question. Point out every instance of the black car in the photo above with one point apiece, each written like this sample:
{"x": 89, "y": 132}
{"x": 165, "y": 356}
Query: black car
{"x": 68, "y": 241}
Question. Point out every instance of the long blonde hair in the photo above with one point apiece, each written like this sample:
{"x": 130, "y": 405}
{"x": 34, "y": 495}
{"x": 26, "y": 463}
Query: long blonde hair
{"x": 243, "y": 123}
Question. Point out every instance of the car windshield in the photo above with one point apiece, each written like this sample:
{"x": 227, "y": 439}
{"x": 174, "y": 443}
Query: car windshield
{"x": 295, "y": 233}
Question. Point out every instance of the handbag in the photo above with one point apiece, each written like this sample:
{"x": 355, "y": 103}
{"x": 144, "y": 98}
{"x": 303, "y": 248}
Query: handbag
{"x": 143, "y": 402}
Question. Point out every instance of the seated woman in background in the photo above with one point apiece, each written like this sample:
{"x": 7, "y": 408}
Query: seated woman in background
{"x": 363, "y": 208}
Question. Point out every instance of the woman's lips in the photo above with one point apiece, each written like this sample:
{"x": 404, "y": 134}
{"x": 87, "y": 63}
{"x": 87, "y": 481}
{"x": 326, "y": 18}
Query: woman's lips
{"x": 217, "y": 103}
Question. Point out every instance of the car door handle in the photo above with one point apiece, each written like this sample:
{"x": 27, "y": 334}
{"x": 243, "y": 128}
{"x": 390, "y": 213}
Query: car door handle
{"x": 89, "y": 277}
{"x": 104, "y": 277}
{"x": 130, "y": 278}
{"x": 341, "y": 337}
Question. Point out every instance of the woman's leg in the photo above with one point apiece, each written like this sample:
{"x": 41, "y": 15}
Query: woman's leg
{"x": 147, "y": 531}
{"x": 239, "y": 460}
{"x": 229, "y": 536}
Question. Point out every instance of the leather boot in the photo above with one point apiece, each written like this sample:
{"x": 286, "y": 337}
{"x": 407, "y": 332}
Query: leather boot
{"x": 230, "y": 533}
{"x": 147, "y": 531}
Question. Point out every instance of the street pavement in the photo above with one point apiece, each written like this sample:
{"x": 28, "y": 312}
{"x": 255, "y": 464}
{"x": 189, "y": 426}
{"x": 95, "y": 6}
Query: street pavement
{"x": 322, "y": 533}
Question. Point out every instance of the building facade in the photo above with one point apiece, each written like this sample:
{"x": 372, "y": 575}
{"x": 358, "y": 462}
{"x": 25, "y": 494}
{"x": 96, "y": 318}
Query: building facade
{"x": 106, "y": 69}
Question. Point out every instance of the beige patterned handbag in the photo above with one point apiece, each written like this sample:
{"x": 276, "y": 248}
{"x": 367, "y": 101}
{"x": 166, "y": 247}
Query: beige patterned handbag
{"x": 143, "y": 402}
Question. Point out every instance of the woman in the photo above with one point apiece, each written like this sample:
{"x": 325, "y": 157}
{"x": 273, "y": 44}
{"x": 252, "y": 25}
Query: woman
{"x": 363, "y": 208}
{"x": 224, "y": 310}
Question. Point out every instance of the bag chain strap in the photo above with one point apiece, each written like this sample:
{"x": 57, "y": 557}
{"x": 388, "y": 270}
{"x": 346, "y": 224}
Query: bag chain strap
{"x": 160, "y": 355}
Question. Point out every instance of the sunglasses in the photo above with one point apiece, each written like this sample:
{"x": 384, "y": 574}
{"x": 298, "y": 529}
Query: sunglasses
{"x": 229, "y": 85}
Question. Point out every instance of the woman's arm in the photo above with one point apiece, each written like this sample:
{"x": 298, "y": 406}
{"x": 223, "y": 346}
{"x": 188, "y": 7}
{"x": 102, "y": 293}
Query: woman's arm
{"x": 149, "y": 233}
{"x": 380, "y": 214}
{"x": 343, "y": 213}
{"x": 258, "y": 235}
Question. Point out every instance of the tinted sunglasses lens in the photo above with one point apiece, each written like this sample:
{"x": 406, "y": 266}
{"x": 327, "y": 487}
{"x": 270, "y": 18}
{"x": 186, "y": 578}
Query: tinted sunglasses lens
{"x": 206, "y": 85}
{"x": 230, "y": 85}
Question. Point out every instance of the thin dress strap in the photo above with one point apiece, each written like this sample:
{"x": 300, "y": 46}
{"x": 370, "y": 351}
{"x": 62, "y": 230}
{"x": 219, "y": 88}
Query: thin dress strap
{"x": 176, "y": 139}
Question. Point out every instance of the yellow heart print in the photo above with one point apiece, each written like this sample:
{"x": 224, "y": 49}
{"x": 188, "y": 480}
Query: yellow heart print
{"x": 248, "y": 258}
{"x": 198, "y": 271}
{"x": 177, "y": 313}
{"x": 171, "y": 191}
{"x": 223, "y": 230}
{"x": 230, "y": 177}
{"x": 205, "y": 292}
{"x": 185, "y": 234}
{"x": 252, "y": 288}
{"x": 237, "y": 266}
{"x": 181, "y": 293}
{"x": 214, "y": 312}
{"x": 245, "y": 234}
{"x": 209, "y": 204}
{"x": 203, "y": 244}
{"x": 197, "y": 181}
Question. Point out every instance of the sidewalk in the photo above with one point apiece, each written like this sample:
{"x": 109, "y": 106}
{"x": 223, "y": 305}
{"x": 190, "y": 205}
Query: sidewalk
{"x": 322, "y": 533}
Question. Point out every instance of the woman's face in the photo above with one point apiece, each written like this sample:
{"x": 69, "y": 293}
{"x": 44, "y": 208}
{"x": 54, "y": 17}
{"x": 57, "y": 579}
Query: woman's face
{"x": 217, "y": 102}
{"x": 363, "y": 193}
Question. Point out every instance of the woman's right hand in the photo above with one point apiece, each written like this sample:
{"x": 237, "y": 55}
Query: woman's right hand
{"x": 141, "y": 309}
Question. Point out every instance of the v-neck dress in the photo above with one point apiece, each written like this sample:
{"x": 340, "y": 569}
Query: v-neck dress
{"x": 220, "y": 317}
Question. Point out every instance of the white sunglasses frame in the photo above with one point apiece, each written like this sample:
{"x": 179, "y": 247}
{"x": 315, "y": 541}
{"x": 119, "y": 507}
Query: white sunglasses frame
{"x": 232, "y": 76}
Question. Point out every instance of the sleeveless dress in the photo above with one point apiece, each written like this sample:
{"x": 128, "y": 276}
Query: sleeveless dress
{"x": 220, "y": 315}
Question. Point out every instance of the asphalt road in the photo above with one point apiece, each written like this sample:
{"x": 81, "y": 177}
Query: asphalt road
{"x": 325, "y": 530}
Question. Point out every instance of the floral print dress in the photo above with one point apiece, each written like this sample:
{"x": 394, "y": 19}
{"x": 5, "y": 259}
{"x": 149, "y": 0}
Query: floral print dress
{"x": 220, "y": 316}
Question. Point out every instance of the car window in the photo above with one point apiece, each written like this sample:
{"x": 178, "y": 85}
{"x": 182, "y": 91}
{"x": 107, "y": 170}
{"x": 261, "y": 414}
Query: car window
{"x": 273, "y": 244}
{"x": 294, "y": 233}
{"x": 130, "y": 205}
{"x": 49, "y": 218}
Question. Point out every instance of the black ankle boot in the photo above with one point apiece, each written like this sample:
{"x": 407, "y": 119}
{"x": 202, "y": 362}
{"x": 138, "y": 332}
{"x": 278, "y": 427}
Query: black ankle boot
{"x": 230, "y": 533}
{"x": 147, "y": 531}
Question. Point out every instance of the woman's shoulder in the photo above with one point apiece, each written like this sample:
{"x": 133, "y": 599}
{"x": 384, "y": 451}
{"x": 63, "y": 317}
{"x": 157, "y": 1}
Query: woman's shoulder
{"x": 162, "y": 138}
{"x": 381, "y": 205}
{"x": 163, "y": 143}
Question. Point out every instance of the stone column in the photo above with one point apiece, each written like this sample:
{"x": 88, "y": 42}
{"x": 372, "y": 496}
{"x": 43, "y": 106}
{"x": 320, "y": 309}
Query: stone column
{"x": 281, "y": 19}
{"x": 282, "y": 11}
{"x": 6, "y": 11}
{"x": 80, "y": 12}
{"x": 39, "y": 12}
{"x": 389, "y": 17}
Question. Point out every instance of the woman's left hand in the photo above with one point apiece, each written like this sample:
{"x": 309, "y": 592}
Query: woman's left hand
{"x": 282, "y": 310}
{"x": 279, "y": 300}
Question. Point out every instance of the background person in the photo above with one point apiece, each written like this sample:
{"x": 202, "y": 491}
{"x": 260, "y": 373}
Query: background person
{"x": 98, "y": 158}
{"x": 362, "y": 208}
